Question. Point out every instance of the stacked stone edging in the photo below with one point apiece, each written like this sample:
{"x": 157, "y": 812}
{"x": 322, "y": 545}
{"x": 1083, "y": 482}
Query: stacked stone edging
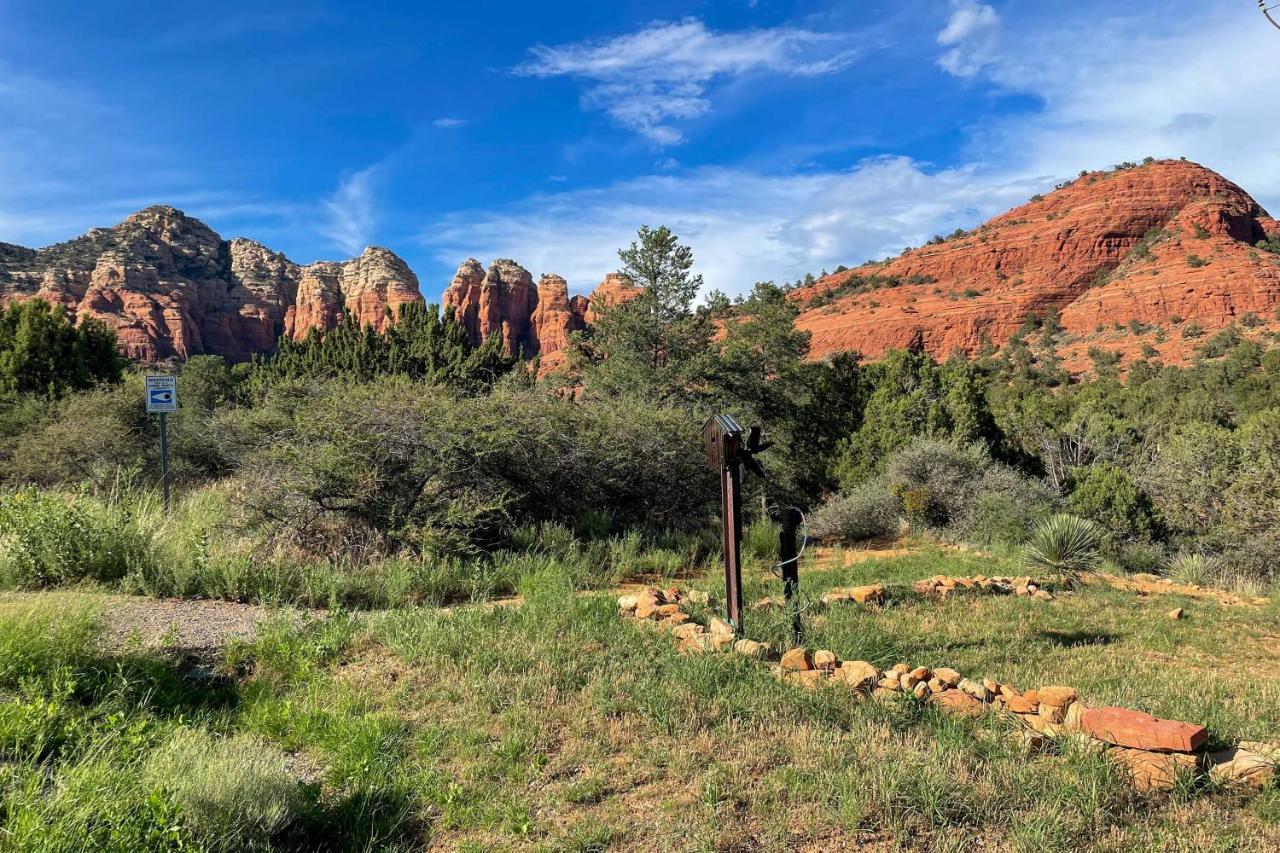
{"x": 1152, "y": 751}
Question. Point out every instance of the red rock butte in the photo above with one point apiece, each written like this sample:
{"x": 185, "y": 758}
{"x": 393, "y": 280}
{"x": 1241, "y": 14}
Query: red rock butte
{"x": 1169, "y": 241}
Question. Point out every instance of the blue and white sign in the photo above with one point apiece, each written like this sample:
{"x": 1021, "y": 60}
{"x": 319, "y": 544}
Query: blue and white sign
{"x": 162, "y": 394}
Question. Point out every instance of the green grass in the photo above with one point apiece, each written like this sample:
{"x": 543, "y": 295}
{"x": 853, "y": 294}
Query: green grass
{"x": 556, "y": 725}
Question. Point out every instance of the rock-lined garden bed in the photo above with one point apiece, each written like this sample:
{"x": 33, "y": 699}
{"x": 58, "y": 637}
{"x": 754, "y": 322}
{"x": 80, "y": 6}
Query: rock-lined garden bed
{"x": 1155, "y": 753}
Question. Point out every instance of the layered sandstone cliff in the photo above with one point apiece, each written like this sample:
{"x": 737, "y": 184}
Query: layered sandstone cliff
{"x": 172, "y": 288}
{"x": 531, "y": 320}
{"x": 1166, "y": 244}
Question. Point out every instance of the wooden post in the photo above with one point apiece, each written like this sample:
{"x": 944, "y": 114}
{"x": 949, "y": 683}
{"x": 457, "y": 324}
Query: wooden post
{"x": 789, "y": 560}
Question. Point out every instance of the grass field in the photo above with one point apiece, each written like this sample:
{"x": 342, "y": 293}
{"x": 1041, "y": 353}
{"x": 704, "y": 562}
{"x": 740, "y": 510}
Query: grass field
{"x": 555, "y": 725}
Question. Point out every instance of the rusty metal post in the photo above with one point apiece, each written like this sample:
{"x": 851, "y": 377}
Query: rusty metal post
{"x": 789, "y": 561}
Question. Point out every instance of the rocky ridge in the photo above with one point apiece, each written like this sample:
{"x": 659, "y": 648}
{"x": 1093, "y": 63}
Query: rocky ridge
{"x": 173, "y": 288}
{"x": 1161, "y": 245}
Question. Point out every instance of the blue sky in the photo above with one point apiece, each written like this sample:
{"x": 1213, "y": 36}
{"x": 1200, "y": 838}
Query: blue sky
{"x": 775, "y": 137}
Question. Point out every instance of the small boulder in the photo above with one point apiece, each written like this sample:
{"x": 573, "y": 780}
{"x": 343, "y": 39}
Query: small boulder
{"x": 824, "y": 659}
{"x": 1175, "y": 613}
{"x": 720, "y": 627}
{"x": 948, "y": 677}
{"x": 750, "y": 648}
{"x": 797, "y": 660}
{"x": 686, "y": 630}
{"x": 1152, "y": 771}
{"x": 1239, "y": 766}
{"x": 959, "y": 702}
{"x": 1134, "y": 729}
{"x": 1058, "y": 697}
{"x": 859, "y": 674}
{"x": 870, "y": 594}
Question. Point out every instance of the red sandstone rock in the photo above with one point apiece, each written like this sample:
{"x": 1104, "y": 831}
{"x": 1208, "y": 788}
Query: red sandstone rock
{"x": 1125, "y": 727}
{"x": 172, "y": 288}
{"x": 554, "y": 318}
{"x": 1152, "y": 771}
{"x": 1071, "y": 251}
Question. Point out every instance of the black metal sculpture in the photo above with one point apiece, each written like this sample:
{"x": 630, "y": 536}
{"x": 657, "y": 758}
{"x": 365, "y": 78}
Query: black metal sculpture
{"x": 1272, "y": 12}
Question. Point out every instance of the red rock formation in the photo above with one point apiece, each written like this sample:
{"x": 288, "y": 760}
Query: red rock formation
{"x": 536, "y": 321}
{"x": 555, "y": 317}
{"x": 1145, "y": 244}
{"x": 616, "y": 289}
{"x": 172, "y": 288}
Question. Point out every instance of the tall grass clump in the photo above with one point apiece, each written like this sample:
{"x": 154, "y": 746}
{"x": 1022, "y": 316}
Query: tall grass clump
{"x": 1064, "y": 544}
{"x": 1193, "y": 568}
{"x": 48, "y": 539}
{"x": 234, "y": 792}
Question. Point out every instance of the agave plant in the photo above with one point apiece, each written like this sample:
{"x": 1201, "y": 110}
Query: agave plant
{"x": 1191, "y": 568}
{"x": 1064, "y": 544}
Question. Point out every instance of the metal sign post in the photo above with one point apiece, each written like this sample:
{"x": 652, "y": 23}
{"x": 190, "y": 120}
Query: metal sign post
{"x": 162, "y": 398}
{"x": 724, "y": 448}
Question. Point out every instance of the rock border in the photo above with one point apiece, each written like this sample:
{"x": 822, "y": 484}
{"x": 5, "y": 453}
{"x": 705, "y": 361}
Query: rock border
{"x": 1154, "y": 753}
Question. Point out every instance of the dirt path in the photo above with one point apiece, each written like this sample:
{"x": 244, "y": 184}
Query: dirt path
{"x": 197, "y": 627}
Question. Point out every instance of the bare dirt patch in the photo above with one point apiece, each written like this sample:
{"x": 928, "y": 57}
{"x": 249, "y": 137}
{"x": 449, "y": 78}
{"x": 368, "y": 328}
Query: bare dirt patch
{"x": 195, "y": 628}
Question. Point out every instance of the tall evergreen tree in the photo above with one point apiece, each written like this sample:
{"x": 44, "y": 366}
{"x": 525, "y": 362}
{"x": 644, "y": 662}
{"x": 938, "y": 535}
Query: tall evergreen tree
{"x": 43, "y": 352}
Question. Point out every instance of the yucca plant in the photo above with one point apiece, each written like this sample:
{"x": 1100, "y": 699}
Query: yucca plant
{"x": 1192, "y": 568}
{"x": 1064, "y": 544}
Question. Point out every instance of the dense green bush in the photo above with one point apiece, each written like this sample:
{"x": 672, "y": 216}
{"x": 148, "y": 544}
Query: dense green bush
{"x": 47, "y": 540}
{"x": 1107, "y": 494}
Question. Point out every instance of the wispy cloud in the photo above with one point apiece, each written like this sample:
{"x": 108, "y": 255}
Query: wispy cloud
{"x": 648, "y": 80}
{"x": 350, "y": 212}
{"x": 743, "y": 226}
{"x": 448, "y": 123}
{"x": 973, "y": 34}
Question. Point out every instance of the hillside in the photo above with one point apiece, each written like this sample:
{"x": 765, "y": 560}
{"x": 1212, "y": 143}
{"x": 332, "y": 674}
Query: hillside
{"x": 172, "y": 288}
{"x": 1122, "y": 256}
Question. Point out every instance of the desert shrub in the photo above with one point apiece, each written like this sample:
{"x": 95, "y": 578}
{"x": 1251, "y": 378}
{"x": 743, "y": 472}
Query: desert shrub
{"x": 1146, "y": 557}
{"x": 1063, "y": 544}
{"x": 1192, "y": 568}
{"x": 46, "y": 539}
{"x": 1004, "y": 506}
{"x": 864, "y": 512}
{"x": 1107, "y": 494}
{"x": 85, "y": 438}
{"x": 234, "y": 792}
{"x": 436, "y": 472}
{"x": 933, "y": 480}
{"x": 1255, "y": 557}
{"x": 961, "y": 492}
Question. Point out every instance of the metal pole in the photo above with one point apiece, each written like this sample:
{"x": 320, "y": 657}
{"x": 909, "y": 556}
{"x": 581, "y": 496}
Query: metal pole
{"x": 164, "y": 459}
{"x": 790, "y": 563}
{"x": 731, "y": 501}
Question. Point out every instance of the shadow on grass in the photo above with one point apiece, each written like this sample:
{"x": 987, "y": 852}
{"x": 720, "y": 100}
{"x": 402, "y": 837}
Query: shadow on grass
{"x": 1077, "y": 639}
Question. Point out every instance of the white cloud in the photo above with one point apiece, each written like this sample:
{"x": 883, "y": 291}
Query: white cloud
{"x": 448, "y": 123}
{"x": 1121, "y": 87}
{"x": 973, "y": 34}
{"x": 743, "y": 226}
{"x": 649, "y": 79}
{"x": 350, "y": 215}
